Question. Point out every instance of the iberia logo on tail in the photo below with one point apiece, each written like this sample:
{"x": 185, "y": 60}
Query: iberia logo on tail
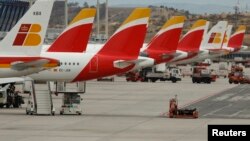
{"x": 28, "y": 35}
{"x": 215, "y": 38}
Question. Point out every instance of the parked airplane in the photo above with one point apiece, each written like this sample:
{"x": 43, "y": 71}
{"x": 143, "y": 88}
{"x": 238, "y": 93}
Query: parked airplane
{"x": 162, "y": 48}
{"x": 235, "y": 42}
{"x": 20, "y": 49}
{"x": 189, "y": 45}
{"x": 219, "y": 42}
{"x": 118, "y": 55}
{"x": 211, "y": 44}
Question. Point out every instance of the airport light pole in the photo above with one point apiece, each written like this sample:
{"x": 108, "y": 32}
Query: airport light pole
{"x": 66, "y": 13}
{"x": 98, "y": 18}
{"x": 107, "y": 21}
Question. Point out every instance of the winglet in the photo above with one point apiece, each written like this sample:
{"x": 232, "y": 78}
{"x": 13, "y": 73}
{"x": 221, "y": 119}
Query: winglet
{"x": 166, "y": 40}
{"x": 236, "y": 40}
{"x": 191, "y": 41}
{"x": 128, "y": 39}
{"x": 27, "y": 36}
{"x": 75, "y": 37}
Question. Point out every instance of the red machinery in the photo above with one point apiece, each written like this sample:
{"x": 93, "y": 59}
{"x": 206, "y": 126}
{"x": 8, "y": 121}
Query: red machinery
{"x": 201, "y": 73}
{"x": 133, "y": 77}
{"x": 237, "y": 76}
{"x": 174, "y": 112}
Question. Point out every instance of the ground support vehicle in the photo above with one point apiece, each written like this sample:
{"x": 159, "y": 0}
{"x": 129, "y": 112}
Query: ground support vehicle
{"x": 151, "y": 75}
{"x": 71, "y": 104}
{"x": 9, "y": 97}
{"x": 174, "y": 112}
{"x": 202, "y": 75}
{"x": 236, "y": 75}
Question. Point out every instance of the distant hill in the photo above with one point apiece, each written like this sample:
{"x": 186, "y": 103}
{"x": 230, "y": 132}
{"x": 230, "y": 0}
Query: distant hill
{"x": 192, "y": 8}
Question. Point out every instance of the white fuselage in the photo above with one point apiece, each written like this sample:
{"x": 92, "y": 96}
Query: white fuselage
{"x": 71, "y": 64}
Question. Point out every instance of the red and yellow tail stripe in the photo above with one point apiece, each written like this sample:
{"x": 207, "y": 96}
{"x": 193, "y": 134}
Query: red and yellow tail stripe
{"x": 139, "y": 16}
{"x": 6, "y": 62}
{"x": 241, "y": 29}
{"x": 75, "y": 37}
{"x": 174, "y": 22}
{"x": 236, "y": 40}
{"x": 85, "y": 16}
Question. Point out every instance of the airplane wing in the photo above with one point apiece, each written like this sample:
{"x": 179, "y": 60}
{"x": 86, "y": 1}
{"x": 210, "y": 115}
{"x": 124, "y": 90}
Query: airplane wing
{"x": 20, "y": 66}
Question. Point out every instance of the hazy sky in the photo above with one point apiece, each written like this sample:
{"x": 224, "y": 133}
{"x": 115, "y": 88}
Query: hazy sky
{"x": 148, "y": 2}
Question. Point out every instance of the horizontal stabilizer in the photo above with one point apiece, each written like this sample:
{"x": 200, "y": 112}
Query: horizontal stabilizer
{"x": 125, "y": 63}
{"x": 20, "y": 66}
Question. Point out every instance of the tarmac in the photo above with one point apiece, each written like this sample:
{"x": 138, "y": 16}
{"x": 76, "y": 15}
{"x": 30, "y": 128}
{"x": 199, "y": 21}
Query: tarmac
{"x": 129, "y": 111}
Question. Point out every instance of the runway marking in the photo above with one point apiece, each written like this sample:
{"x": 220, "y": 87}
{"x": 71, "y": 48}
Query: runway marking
{"x": 235, "y": 114}
{"x": 242, "y": 89}
{"x": 212, "y": 113}
{"x": 236, "y": 98}
{"x": 205, "y": 97}
{"x": 223, "y": 97}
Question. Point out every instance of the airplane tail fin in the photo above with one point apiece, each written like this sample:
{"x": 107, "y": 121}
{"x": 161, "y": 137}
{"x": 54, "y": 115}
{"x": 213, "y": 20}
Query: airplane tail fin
{"x": 168, "y": 37}
{"x": 214, "y": 38}
{"x": 75, "y": 37}
{"x": 227, "y": 35}
{"x": 27, "y": 36}
{"x": 129, "y": 38}
{"x": 236, "y": 40}
{"x": 191, "y": 41}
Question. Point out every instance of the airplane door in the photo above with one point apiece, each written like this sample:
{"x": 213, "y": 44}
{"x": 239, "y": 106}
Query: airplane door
{"x": 94, "y": 65}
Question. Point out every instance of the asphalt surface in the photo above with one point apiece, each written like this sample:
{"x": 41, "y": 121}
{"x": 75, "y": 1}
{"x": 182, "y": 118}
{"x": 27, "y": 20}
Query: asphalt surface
{"x": 122, "y": 111}
{"x": 233, "y": 104}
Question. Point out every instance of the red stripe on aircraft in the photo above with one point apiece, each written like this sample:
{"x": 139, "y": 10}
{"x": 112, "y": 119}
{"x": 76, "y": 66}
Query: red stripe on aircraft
{"x": 9, "y": 60}
{"x": 19, "y": 39}
{"x": 191, "y": 42}
{"x": 236, "y": 41}
{"x": 166, "y": 42}
{"x": 74, "y": 40}
{"x": 25, "y": 28}
{"x": 125, "y": 45}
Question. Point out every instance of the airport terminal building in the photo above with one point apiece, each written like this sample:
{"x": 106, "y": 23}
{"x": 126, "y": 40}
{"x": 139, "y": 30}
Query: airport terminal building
{"x": 10, "y": 12}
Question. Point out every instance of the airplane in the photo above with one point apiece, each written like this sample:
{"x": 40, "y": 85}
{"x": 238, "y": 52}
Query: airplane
{"x": 211, "y": 44}
{"x": 20, "y": 49}
{"x": 188, "y": 46}
{"x": 118, "y": 55}
{"x": 163, "y": 45}
{"x": 217, "y": 42}
{"x": 234, "y": 43}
